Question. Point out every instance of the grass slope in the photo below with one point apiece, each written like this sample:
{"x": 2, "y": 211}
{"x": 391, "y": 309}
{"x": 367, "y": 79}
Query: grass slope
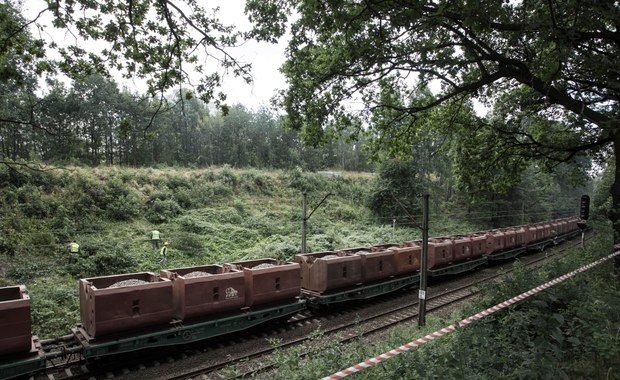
{"x": 209, "y": 216}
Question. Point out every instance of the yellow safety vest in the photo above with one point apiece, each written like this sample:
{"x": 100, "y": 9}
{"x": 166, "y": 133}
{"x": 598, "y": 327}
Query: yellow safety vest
{"x": 75, "y": 248}
{"x": 163, "y": 251}
{"x": 155, "y": 235}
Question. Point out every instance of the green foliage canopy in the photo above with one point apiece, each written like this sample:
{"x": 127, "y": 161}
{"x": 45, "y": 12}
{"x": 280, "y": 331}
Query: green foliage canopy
{"x": 165, "y": 43}
{"x": 560, "y": 58}
{"x": 548, "y": 70}
{"x": 397, "y": 190}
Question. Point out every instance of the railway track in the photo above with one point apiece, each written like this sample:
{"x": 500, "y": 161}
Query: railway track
{"x": 251, "y": 349}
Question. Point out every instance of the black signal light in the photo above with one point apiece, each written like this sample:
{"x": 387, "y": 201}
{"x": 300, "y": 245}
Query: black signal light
{"x": 584, "y": 207}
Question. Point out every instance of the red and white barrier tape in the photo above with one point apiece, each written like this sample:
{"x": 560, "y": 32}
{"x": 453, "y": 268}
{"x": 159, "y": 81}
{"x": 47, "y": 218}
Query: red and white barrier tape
{"x": 380, "y": 358}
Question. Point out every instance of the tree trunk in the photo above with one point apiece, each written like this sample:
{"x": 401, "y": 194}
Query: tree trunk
{"x": 614, "y": 213}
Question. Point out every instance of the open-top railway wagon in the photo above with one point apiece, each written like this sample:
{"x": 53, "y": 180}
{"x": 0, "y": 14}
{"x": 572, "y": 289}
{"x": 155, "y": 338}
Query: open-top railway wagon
{"x": 342, "y": 275}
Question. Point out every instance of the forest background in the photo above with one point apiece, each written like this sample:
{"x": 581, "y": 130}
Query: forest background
{"x": 90, "y": 162}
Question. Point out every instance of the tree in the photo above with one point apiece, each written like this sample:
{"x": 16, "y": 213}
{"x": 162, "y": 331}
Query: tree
{"x": 549, "y": 68}
{"x": 18, "y": 54}
{"x": 397, "y": 191}
{"x": 95, "y": 105}
{"x": 21, "y": 55}
{"x": 164, "y": 43}
{"x": 135, "y": 146}
{"x": 57, "y": 111}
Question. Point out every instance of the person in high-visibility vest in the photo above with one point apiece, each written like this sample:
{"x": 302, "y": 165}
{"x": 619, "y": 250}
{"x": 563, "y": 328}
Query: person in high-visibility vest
{"x": 74, "y": 247}
{"x": 155, "y": 239}
{"x": 163, "y": 253}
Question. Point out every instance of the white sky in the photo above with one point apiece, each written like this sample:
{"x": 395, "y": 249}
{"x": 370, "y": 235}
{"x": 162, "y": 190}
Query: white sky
{"x": 265, "y": 58}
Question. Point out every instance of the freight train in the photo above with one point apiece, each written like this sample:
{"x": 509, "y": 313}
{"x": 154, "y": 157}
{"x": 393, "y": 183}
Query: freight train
{"x": 135, "y": 311}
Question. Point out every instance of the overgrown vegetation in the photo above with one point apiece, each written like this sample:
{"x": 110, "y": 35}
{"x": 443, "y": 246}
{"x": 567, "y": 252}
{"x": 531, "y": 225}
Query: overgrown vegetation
{"x": 570, "y": 331}
{"x": 208, "y": 215}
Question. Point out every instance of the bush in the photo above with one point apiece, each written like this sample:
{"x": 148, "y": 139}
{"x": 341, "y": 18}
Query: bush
{"x": 124, "y": 207}
{"x": 396, "y": 187}
{"x": 102, "y": 264}
{"x": 194, "y": 225}
{"x": 84, "y": 197}
{"x": 113, "y": 199}
{"x": 254, "y": 181}
{"x": 120, "y": 201}
{"x": 229, "y": 177}
{"x": 23, "y": 271}
{"x": 176, "y": 182}
{"x": 34, "y": 202}
{"x": 268, "y": 225}
{"x": 200, "y": 194}
{"x": 162, "y": 211}
{"x": 183, "y": 196}
{"x": 8, "y": 245}
{"x": 55, "y": 306}
{"x": 44, "y": 239}
{"x": 62, "y": 224}
{"x": 352, "y": 189}
{"x": 219, "y": 190}
{"x": 161, "y": 193}
{"x": 344, "y": 212}
{"x": 304, "y": 182}
{"x": 189, "y": 243}
{"x": 277, "y": 247}
{"x": 112, "y": 263}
